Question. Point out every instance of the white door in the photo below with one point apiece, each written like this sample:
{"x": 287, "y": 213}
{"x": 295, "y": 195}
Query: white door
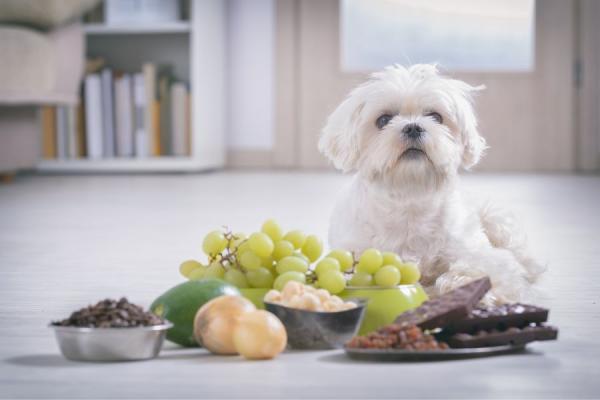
{"x": 526, "y": 114}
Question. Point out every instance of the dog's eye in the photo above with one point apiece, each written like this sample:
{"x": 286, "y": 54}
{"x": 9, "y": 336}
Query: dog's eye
{"x": 383, "y": 120}
{"x": 435, "y": 115}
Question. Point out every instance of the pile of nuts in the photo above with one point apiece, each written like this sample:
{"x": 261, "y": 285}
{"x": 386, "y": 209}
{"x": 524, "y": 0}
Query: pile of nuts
{"x": 110, "y": 313}
{"x": 397, "y": 336}
{"x": 296, "y": 295}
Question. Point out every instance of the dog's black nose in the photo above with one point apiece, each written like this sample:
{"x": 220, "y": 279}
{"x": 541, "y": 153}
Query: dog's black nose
{"x": 413, "y": 131}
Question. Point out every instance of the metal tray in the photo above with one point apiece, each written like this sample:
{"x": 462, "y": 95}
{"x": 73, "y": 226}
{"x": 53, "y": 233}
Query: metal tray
{"x": 430, "y": 355}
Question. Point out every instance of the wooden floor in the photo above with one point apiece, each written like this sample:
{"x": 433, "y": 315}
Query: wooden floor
{"x": 69, "y": 241}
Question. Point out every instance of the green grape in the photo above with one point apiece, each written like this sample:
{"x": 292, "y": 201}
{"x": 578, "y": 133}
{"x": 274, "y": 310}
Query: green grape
{"x": 409, "y": 274}
{"x": 313, "y": 247}
{"x": 344, "y": 257}
{"x": 327, "y": 264}
{"x": 261, "y": 244}
{"x": 266, "y": 261}
{"x": 214, "y": 243}
{"x": 260, "y": 278}
{"x": 272, "y": 228}
{"x": 197, "y": 274}
{"x": 370, "y": 261}
{"x": 236, "y": 278}
{"x": 387, "y": 276}
{"x": 301, "y": 256}
{"x": 362, "y": 268}
{"x": 243, "y": 247}
{"x": 291, "y": 263}
{"x": 250, "y": 261}
{"x": 297, "y": 238}
{"x": 236, "y": 240}
{"x": 188, "y": 266}
{"x": 215, "y": 270}
{"x": 288, "y": 276}
{"x": 390, "y": 258}
{"x": 270, "y": 267}
{"x": 361, "y": 279}
{"x": 283, "y": 248}
{"x": 332, "y": 281}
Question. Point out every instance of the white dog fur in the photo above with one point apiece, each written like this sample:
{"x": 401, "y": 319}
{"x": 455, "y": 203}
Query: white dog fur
{"x": 404, "y": 196}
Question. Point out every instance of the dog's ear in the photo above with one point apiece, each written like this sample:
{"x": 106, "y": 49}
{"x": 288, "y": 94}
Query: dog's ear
{"x": 474, "y": 145}
{"x": 340, "y": 137}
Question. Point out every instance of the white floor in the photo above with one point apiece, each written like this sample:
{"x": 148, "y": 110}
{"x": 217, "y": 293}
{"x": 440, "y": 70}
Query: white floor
{"x": 69, "y": 241}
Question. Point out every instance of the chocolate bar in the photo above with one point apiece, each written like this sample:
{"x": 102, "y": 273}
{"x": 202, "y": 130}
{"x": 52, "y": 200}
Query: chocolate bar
{"x": 499, "y": 318}
{"x": 514, "y": 336}
{"x": 447, "y": 308}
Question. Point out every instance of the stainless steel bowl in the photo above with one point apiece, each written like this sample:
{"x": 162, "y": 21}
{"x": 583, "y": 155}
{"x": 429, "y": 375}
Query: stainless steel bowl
{"x": 110, "y": 344}
{"x": 312, "y": 330}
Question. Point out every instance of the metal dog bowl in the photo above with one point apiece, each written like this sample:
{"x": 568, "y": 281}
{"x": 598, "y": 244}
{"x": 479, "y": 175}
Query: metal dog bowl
{"x": 312, "y": 330}
{"x": 110, "y": 344}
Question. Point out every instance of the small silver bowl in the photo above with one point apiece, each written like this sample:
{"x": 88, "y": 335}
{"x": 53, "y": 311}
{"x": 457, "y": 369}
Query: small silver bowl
{"x": 110, "y": 344}
{"x": 313, "y": 330}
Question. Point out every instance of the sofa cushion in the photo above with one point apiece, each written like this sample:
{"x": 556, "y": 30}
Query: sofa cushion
{"x": 44, "y": 14}
{"x": 38, "y": 68}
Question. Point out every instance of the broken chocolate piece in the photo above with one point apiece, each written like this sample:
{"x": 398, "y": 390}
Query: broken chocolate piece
{"x": 447, "y": 308}
{"x": 513, "y": 336}
{"x": 499, "y": 317}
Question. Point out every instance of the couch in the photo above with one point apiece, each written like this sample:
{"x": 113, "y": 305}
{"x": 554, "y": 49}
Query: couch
{"x": 42, "y": 44}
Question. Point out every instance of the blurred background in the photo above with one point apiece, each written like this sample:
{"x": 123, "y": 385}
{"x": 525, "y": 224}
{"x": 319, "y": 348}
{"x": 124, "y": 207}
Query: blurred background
{"x": 190, "y": 86}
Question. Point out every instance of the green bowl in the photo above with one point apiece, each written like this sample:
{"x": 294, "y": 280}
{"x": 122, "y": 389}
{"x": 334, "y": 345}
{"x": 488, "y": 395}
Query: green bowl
{"x": 256, "y": 296}
{"x": 385, "y": 304}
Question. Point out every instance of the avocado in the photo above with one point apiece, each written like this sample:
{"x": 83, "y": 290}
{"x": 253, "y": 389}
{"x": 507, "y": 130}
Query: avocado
{"x": 180, "y": 304}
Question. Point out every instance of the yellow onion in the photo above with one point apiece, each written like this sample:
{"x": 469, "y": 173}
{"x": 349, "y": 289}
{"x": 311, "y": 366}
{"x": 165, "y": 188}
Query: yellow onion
{"x": 259, "y": 335}
{"x": 215, "y": 322}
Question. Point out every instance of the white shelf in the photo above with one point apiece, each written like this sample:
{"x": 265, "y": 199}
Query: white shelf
{"x": 205, "y": 34}
{"x": 150, "y": 164}
{"x": 133, "y": 29}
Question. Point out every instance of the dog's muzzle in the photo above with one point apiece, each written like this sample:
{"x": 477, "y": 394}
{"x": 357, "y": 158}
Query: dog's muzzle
{"x": 413, "y": 131}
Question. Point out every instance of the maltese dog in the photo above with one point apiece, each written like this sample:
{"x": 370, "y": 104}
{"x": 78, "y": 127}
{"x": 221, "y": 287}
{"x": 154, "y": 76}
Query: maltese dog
{"x": 406, "y": 133}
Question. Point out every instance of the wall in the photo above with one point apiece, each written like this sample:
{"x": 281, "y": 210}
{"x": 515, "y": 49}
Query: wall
{"x": 251, "y": 26}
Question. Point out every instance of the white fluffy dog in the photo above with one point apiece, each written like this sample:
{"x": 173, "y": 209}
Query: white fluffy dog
{"x": 406, "y": 133}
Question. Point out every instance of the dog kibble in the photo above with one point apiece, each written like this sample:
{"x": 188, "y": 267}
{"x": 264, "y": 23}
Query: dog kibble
{"x": 110, "y": 313}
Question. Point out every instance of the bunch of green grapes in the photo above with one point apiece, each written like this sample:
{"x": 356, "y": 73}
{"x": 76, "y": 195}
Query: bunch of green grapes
{"x": 264, "y": 259}
{"x": 269, "y": 259}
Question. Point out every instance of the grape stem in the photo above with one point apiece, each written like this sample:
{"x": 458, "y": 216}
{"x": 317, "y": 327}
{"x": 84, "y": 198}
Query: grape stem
{"x": 311, "y": 276}
{"x": 352, "y": 270}
{"x": 228, "y": 258}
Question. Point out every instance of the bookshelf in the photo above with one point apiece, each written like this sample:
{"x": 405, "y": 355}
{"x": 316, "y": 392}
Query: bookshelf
{"x": 184, "y": 44}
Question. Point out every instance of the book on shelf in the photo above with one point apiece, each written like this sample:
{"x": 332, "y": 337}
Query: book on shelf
{"x": 108, "y": 119}
{"x": 61, "y": 132}
{"x": 48, "y": 132}
{"x": 178, "y": 119}
{"x": 81, "y": 139}
{"x": 164, "y": 96}
{"x": 121, "y": 114}
{"x": 149, "y": 73}
{"x": 141, "y": 119}
{"x": 188, "y": 124}
{"x": 72, "y": 139}
{"x": 94, "y": 126}
{"x": 156, "y": 81}
{"x": 124, "y": 115}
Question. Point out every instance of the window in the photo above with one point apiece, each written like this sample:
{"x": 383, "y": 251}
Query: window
{"x": 466, "y": 35}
